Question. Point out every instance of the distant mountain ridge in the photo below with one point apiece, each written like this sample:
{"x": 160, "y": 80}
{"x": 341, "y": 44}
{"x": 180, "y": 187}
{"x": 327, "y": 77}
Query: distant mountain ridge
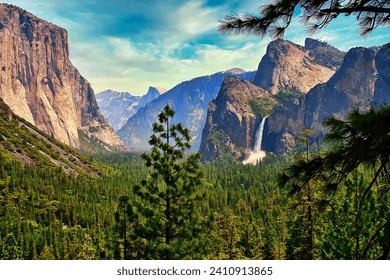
{"x": 189, "y": 99}
{"x": 118, "y": 107}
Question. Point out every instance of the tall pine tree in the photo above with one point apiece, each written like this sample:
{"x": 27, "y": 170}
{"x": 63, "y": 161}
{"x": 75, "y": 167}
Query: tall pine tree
{"x": 169, "y": 223}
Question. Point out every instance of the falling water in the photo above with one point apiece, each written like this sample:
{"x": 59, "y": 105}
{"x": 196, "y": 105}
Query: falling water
{"x": 257, "y": 154}
{"x": 259, "y": 136}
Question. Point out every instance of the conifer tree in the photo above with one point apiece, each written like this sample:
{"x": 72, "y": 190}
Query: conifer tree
{"x": 130, "y": 245}
{"x": 362, "y": 140}
{"x": 277, "y": 15}
{"x": 169, "y": 222}
{"x": 301, "y": 243}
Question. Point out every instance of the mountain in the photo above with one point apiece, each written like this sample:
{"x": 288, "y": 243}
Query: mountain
{"x": 286, "y": 73}
{"x": 190, "y": 101}
{"x": 118, "y": 107}
{"x": 289, "y": 66}
{"x": 152, "y": 94}
{"x": 27, "y": 144}
{"x": 238, "y": 104}
{"x": 361, "y": 81}
{"x": 39, "y": 83}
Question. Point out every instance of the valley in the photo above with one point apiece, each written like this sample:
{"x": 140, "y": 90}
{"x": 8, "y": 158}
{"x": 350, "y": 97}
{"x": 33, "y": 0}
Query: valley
{"x": 290, "y": 161}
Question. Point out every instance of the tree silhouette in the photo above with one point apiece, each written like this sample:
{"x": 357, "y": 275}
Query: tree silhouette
{"x": 363, "y": 139}
{"x": 276, "y": 17}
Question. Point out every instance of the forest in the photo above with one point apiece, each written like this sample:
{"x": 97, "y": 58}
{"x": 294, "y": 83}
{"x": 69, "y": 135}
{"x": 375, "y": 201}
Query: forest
{"x": 325, "y": 200}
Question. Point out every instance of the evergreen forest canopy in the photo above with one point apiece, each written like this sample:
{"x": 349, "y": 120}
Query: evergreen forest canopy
{"x": 332, "y": 204}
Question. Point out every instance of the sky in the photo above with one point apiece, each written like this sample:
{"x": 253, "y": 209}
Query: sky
{"x": 129, "y": 45}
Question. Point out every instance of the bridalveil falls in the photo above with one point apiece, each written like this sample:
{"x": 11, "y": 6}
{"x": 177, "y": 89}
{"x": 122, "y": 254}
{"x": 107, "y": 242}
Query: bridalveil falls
{"x": 257, "y": 154}
{"x": 259, "y": 136}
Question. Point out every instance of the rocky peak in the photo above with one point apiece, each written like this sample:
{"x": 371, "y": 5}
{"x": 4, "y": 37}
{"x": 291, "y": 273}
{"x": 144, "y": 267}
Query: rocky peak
{"x": 110, "y": 95}
{"x": 118, "y": 107}
{"x": 39, "y": 83}
{"x": 358, "y": 73}
{"x": 324, "y": 54}
{"x": 362, "y": 80}
{"x": 353, "y": 86}
{"x": 382, "y": 86}
{"x": 232, "y": 119}
{"x": 234, "y": 71}
{"x": 152, "y": 94}
{"x": 154, "y": 90}
{"x": 313, "y": 44}
{"x": 237, "y": 92}
{"x": 289, "y": 66}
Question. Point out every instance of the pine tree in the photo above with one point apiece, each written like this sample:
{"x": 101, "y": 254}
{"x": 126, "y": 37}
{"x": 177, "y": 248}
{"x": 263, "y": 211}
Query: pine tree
{"x": 360, "y": 141}
{"x": 169, "y": 222}
{"x": 129, "y": 245}
{"x": 277, "y": 15}
{"x": 302, "y": 242}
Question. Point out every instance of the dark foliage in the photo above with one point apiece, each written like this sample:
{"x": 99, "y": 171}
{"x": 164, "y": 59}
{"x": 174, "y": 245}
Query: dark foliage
{"x": 276, "y": 17}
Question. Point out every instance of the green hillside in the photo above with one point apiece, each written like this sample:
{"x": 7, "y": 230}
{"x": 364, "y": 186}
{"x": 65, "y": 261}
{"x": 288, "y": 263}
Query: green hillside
{"x": 33, "y": 147}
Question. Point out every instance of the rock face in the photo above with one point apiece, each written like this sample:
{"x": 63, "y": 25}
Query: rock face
{"x": 39, "y": 83}
{"x": 324, "y": 54}
{"x": 382, "y": 84}
{"x": 118, "y": 107}
{"x": 363, "y": 80}
{"x": 152, "y": 94}
{"x": 289, "y": 66}
{"x": 284, "y": 124}
{"x": 232, "y": 119}
{"x": 286, "y": 73}
{"x": 190, "y": 101}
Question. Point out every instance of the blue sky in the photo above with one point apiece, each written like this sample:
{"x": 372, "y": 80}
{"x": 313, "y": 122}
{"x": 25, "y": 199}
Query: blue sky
{"x": 129, "y": 45}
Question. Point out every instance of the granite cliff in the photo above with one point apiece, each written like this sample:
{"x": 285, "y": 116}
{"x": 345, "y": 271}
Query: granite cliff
{"x": 233, "y": 118}
{"x": 39, "y": 83}
{"x": 299, "y": 68}
{"x": 286, "y": 73}
{"x": 361, "y": 81}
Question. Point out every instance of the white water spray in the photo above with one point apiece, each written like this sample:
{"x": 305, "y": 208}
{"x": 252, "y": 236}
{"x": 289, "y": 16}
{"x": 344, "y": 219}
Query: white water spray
{"x": 257, "y": 154}
{"x": 259, "y": 136}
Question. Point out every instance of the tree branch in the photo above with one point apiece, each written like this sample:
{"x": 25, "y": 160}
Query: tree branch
{"x": 370, "y": 9}
{"x": 369, "y": 187}
{"x": 370, "y": 242}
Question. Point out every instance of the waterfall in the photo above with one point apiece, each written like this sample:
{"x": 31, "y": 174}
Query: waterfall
{"x": 257, "y": 154}
{"x": 259, "y": 136}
